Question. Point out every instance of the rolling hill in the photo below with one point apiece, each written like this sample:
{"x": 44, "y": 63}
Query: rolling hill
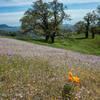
{"x": 16, "y": 28}
{"x": 9, "y": 28}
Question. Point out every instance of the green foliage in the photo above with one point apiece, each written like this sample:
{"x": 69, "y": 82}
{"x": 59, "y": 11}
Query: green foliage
{"x": 44, "y": 18}
{"x": 90, "y": 18}
{"x": 98, "y": 15}
{"x": 66, "y": 92}
{"x": 97, "y": 30}
{"x": 86, "y": 26}
{"x": 6, "y": 33}
{"x": 66, "y": 30}
{"x": 79, "y": 27}
{"x": 13, "y": 34}
{"x": 91, "y": 23}
{"x": 67, "y": 88}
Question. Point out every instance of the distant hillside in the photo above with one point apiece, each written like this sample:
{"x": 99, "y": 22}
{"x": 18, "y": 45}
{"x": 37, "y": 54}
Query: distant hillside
{"x": 68, "y": 26}
{"x": 9, "y": 28}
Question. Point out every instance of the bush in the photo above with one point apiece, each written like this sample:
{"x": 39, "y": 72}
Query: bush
{"x": 12, "y": 34}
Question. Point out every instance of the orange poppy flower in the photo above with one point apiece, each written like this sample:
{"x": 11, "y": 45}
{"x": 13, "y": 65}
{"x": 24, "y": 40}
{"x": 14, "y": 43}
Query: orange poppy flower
{"x": 70, "y": 79}
{"x": 76, "y": 79}
{"x": 70, "y": 74}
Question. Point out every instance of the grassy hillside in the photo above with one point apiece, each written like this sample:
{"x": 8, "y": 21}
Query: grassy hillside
{"x": 76, "y": 43}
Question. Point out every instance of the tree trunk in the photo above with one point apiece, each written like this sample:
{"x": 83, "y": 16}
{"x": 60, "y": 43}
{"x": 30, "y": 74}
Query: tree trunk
{"x": 46, "y": 38}
{"x": 87, "y": 28}
{"x": 93, "y": 35}
{"x": 86, "y": 34}
{"x": 53, "y": 38}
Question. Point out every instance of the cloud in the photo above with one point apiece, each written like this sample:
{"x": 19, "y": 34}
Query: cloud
{"x": 4, "y": 3}
{"x": 77, "y": 15}
{"x": 11, "y": 18}
{"x": 29, "y": 2}
{"x": 78, "y": 1}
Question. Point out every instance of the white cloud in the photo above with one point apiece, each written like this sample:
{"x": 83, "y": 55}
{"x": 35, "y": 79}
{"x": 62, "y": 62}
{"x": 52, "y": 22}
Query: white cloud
{"x": 75, "y": 1}
{"x": 29, "y": 2}
{"x": 78, "y": 1}
{"x": 77, "y": 15}
{"x": 11, "y": 18}
{"x": 4, "y": 3}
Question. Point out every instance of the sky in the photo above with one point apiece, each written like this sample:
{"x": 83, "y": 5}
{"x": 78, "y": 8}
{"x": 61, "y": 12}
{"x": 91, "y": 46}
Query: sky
{"x": 11, "y": 11}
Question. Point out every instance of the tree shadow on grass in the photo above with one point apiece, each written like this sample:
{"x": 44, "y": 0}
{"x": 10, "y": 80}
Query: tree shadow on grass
{"x": 77, "y": 38}
{"x": 80, "y": 38}
{"x": 37, "y": 40}
{"x": 42, "y": 41}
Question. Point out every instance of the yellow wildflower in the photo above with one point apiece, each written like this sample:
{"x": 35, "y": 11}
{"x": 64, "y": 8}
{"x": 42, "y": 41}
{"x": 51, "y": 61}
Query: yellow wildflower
{"x": 76, "y": 79}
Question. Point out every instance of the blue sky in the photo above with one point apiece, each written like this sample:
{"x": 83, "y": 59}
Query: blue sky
{"x": 12, "y": 10}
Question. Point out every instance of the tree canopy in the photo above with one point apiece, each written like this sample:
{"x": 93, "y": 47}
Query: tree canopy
{"x": 44, "y": 18}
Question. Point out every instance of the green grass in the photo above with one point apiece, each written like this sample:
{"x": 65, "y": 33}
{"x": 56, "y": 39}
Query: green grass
{"x": 76, "y": 43}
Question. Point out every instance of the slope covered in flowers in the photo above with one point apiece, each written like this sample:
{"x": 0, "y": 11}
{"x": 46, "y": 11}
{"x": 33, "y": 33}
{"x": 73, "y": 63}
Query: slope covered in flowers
{"x": 34, "y": 72}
